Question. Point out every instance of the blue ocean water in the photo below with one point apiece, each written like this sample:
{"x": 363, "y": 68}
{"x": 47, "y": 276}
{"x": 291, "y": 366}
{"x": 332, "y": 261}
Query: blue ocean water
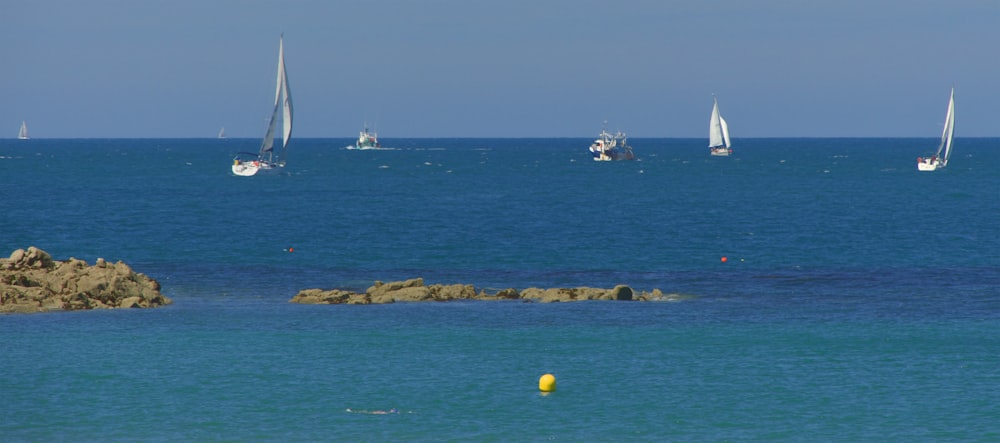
{"x": 859, "y": 301}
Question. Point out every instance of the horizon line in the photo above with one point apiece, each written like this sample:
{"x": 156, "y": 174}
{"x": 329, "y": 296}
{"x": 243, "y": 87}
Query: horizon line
{"x": 504, "y": 138}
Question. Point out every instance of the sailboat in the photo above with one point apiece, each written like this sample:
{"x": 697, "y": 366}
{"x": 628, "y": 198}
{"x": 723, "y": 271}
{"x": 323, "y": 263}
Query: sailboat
{"x": 940, "y": 158}
{"x": 23, "y": 132}
{"x": 250, "y": 163}
{"x": 222, "y": 132}
{"x": 718, "y": 132}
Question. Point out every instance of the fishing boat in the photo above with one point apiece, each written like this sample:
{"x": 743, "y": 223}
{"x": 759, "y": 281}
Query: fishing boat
{"x": 608, "y": 147}
{"x": 940, "y": 158}
{"x": 718, "y": 133}
{"x": 266, "y": 160}
{"x": 367, "y": 139}
{"x": 22, "y": 133}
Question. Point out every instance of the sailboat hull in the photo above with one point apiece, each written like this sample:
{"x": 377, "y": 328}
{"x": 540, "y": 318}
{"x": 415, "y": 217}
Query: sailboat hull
{"x": 245, "y": 169}
{"x": 251, "y": 168}
{"x": 721, "y": 152}
{"x": 929, "y": 165}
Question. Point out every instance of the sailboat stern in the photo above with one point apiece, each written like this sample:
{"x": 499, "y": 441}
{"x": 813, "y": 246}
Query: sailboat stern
{"x": 245, "y": 168}
{"x": 929, "y": 164}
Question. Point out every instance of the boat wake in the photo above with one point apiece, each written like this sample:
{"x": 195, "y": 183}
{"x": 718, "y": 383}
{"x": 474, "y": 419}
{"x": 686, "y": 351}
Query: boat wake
{"x": 369, "y": 148}
{"x": 392, "y": 411}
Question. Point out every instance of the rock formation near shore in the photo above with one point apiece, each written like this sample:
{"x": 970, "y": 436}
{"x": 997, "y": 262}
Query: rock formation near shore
{"x": 414, "y": 290}
{"x": 31, "y": 281}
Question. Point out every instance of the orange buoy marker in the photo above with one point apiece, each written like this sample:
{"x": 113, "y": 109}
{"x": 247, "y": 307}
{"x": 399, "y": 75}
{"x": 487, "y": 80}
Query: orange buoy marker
{"x": 547, "y": 383}
{"x": 724, "y": 259}
{"x": 291, "y": 249}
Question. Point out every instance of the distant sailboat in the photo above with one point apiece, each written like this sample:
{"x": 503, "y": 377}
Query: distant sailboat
{"x": 249, "y": 163}
{"x": 718, "y": 132}
{"x": 222, "y": 132}
{"x": 940, "y": 158}
{"x": 23, "y": 132}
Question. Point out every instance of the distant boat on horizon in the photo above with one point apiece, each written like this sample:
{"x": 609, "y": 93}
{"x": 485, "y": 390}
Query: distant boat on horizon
{"x": 222, "y": 132}
{"x": 607, "y": 147}
{"x": 367, "y": 139}
{"x": 249, "y": 163}
{"x": 718, "y": 132}
{"x": 22, "y": 134}
{"x": 938, "y": 161}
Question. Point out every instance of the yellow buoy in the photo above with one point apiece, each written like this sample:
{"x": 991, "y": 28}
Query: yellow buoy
{"x": 547, "y": 383}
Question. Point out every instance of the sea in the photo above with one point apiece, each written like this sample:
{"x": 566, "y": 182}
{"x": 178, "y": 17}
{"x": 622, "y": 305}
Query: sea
{"x": 824, "y": 291}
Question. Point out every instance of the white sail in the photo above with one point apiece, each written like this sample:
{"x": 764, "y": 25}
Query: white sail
{"x": 949, "y": 130}
{"x": 23, "y": 132}
{"x": 282, "y": 103}
{"x": 715, "y": 127}
{"x": 286, "y": 93}
{"x": 725, "y": 130}
{"x": 222, "y": 132}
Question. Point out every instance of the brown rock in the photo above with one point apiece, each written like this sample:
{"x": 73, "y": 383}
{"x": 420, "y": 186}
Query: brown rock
{"x": 413, "y": 290}
{"x": 31, "y": 281}
{"x": 621, "y": 292}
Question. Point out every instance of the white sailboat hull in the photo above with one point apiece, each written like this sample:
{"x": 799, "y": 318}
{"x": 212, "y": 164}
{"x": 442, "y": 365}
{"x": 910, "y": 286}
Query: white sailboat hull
{"x": 245, "y": 169}
{"x": 721, "y": 152}
{"x": 929, "y": 165}
{"x": 251, "y": 168}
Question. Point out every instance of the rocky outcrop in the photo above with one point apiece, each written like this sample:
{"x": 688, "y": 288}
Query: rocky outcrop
{"x": 404, "y": 291}
{"x": 31, "y": 281}
{"x": 414, "y": 290}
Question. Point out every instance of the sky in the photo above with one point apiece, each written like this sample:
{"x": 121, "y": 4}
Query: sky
{"x": 506, "y": 68}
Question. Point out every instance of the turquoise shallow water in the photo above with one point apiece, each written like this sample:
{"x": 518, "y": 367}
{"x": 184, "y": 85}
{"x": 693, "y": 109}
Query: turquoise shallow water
{"x": 859, "y": 301}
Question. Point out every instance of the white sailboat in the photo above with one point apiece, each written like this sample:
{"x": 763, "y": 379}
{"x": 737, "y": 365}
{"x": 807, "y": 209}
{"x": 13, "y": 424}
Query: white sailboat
{"x": 22, "y": 133}
{"x": 222, "y": 132}
{"x": 940, "y": 158}
{"x": 718, "y": 132}
{"x": 249, "y": 163}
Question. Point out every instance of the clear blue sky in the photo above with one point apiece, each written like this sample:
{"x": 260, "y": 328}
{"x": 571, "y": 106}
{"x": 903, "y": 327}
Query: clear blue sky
{"x": 517, "y": 68}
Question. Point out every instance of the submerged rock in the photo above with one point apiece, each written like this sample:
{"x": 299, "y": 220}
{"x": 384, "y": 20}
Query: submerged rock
{"x": 31, "y": 281}
{"x": 414, "y": 290}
